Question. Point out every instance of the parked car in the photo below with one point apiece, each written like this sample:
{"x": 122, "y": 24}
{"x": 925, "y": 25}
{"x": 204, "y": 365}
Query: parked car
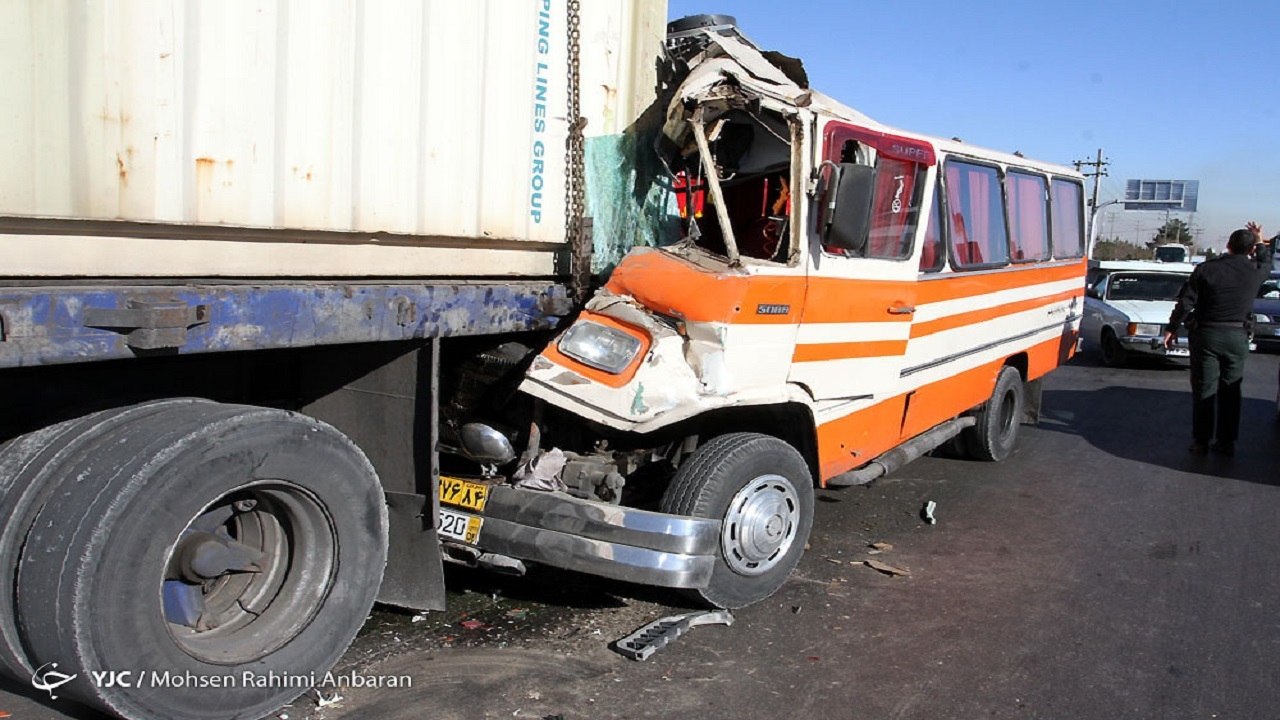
{"x": 1266, "y": 312}
{"x": 1127, "y": 308}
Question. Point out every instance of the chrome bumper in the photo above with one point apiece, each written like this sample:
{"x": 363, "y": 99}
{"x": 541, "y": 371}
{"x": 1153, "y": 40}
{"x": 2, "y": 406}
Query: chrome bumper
{"x": 600, "y": 539}
{"x": 1149, "y": 345}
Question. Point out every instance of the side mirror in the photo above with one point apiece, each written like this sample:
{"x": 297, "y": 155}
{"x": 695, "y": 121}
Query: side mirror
{"x": 1092, "y": 292}
{"x": 847, "y": 215}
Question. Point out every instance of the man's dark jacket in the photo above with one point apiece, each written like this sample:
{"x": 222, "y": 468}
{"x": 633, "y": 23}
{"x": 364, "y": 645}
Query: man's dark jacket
{"x": 1222, "y": 290}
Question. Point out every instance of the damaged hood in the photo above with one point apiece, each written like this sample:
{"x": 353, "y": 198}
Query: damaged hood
{"x": 732, "y": 70}
{"x": 731, "y": 59}
{"x": 730, "y": 67}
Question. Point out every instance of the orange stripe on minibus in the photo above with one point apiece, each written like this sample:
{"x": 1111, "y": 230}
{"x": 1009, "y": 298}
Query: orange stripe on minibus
{"x": 955, "y": 286}
{"x": 849, "y": 350}
{"x": 670, "y": 285}
{"x": 851, "y": 441}
{"x": 972, "y": 317}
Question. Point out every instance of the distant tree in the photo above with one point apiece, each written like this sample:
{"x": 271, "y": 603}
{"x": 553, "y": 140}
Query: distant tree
{"x": 1117, "y": 249}
{"x": 1174, "y": 231}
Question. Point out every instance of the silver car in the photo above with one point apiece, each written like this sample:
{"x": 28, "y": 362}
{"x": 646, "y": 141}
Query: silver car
{"x": 1127, "y": 310}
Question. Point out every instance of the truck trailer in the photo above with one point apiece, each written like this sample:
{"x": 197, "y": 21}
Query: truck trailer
{"x": 258, "y": 256}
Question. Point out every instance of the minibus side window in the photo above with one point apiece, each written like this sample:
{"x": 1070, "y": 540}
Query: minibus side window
{"x": 975, "y": 204}
{"x": 1068, "y": 223}
{"x": 1028, "y": 216}
{"x": 932, "y": 254}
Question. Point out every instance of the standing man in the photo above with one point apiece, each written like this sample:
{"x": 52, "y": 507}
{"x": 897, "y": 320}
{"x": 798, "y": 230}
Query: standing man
{"x": 1220, "y": 292}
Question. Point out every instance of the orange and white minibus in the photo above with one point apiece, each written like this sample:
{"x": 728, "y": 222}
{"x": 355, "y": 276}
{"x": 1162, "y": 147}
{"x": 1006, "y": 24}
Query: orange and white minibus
{"x": 847, "y": 296}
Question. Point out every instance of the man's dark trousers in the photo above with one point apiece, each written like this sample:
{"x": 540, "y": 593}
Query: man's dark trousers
{"x": 1217, "y": 371}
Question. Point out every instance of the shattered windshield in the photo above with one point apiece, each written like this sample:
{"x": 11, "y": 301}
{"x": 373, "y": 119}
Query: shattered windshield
{"x": 751, "y": 156}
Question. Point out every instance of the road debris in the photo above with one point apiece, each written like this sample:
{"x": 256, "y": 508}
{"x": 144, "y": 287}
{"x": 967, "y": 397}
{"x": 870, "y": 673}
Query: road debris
{"x": 879, "y": 547}
{"x": 886, "y": 569}
{"x": 927, "y": 513}
{"x": 651, "y": 638}
{"x": 322, "y": 701}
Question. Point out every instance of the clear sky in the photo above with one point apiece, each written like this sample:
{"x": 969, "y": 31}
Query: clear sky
{"x": 1174, "y": 90}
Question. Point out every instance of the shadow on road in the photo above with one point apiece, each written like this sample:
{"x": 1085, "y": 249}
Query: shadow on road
{"x": 1153, "y": 426}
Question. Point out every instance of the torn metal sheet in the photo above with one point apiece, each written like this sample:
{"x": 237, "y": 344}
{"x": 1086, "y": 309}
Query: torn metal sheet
{"x": 651, "y": 638}
{"x": 727, "y": 57}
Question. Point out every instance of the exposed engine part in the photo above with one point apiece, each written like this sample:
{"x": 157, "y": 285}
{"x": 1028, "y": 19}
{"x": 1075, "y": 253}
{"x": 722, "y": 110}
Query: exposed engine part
{"x": 480, "y": 375}
{"x": 595, "y": 477}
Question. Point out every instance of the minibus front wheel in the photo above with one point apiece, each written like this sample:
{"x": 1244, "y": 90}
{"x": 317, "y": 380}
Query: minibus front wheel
{"x": 761, "y": 490}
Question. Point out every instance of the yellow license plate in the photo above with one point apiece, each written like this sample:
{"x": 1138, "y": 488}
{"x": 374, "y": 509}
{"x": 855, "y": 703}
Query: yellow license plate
{"x": 463, "y": 493}
{"x": 460, "y": 526}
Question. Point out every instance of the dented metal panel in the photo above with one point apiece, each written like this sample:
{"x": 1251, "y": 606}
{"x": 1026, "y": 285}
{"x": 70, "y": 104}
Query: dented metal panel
{"x": 426, "y": 119}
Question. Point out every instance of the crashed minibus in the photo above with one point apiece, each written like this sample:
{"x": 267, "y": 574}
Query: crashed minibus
{"x": 845, "y": 297}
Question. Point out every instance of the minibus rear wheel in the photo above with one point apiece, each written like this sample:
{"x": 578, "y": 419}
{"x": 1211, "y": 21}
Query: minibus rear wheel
{"x": 995, "y": 434}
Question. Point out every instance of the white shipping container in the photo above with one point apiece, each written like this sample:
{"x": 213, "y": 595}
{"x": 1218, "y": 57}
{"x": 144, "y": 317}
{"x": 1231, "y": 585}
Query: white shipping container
{"x": 301, "y": 137}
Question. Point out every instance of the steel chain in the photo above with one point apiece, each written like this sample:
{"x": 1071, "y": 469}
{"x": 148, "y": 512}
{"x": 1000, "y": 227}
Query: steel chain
{"x": 575, "y": 180}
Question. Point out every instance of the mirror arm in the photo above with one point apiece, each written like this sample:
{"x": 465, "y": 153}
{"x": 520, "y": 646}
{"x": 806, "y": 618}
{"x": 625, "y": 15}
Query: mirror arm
{"x": 829, "y": 212}
{"x": 713, "y": 180}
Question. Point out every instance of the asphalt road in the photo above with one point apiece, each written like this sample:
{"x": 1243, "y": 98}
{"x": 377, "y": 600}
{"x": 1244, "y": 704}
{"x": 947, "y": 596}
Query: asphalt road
{"x": 1102, "y": 572}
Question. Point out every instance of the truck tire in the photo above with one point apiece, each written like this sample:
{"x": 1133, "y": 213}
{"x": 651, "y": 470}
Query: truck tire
{"x": 27, "y": 472}
{"x": 995, "y": 434}
{"x": 207, "y": 549}
{"x": 761, "y": 490}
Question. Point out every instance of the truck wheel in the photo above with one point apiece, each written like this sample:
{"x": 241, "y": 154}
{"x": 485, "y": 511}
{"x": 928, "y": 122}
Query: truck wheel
{"x": 995, "y": 434}
{"x": 1113, "y": 352}
{"x": 27, "y": 478}
{"x": 226, "y": 555}
{"x": 761, "y": 490}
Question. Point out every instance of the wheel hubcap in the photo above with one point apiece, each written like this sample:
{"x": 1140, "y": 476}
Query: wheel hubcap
{"x": 760, "y": 525}
{"x": 249, "y": 572}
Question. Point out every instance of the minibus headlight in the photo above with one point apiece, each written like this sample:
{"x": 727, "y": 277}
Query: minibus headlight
{"x": 600, "y": 346}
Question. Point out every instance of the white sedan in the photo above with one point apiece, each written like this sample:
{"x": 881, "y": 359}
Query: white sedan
{"x": 1127, "y": 309}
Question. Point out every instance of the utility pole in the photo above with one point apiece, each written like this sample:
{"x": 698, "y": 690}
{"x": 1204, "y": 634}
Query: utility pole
{"x": 1097, "y": 173}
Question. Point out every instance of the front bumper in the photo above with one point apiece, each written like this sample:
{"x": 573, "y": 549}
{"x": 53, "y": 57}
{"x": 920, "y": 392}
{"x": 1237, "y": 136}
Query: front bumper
{"x": 616, "y": 542}
{"x": 1154, "y": 346}
{"x": 1266, "y": 333}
